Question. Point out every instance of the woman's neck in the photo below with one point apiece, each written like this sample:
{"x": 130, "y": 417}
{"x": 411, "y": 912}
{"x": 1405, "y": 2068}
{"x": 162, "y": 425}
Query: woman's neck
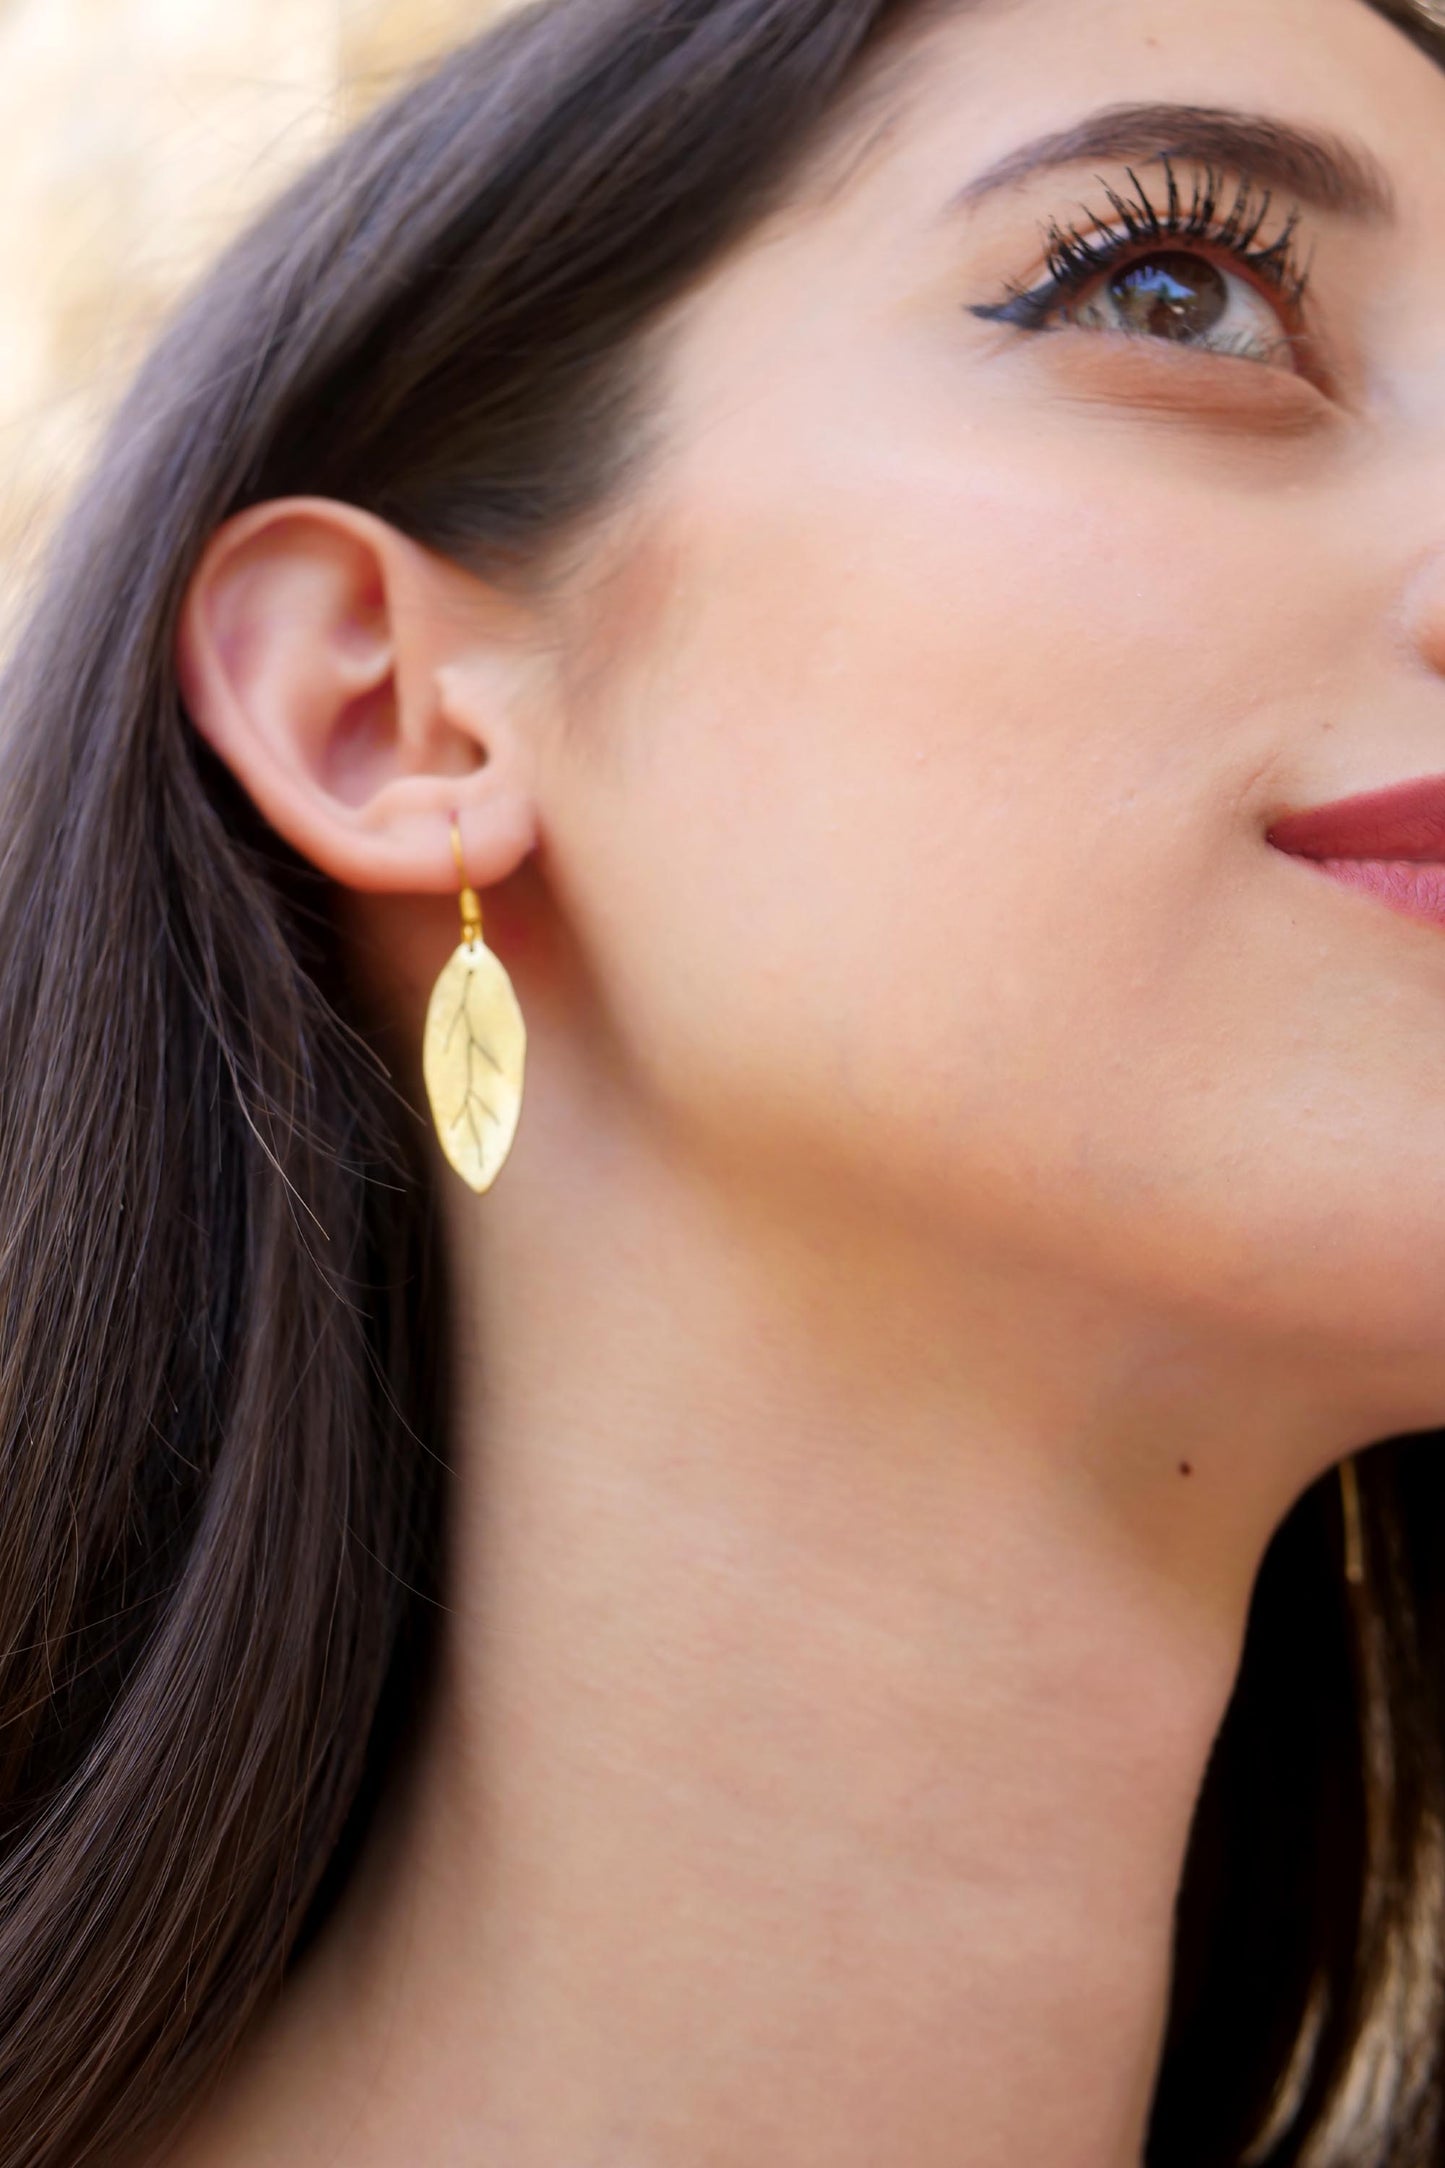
{"x": 834, "y": 1657}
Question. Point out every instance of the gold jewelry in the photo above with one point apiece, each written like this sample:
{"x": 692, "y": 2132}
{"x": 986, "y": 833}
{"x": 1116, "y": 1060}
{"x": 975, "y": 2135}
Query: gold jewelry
{"x": 1350, "y": 1512}
{"x": 474, "y": 1049}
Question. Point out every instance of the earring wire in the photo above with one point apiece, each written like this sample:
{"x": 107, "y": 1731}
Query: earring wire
{"x": 470, "y": 901}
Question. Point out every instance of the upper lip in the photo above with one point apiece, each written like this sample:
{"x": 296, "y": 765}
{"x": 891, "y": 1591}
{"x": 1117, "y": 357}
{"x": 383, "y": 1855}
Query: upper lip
{"x": 1405, "y": 820}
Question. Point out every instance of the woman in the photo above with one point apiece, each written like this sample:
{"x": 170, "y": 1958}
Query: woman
{"x": 716, "y": 1519}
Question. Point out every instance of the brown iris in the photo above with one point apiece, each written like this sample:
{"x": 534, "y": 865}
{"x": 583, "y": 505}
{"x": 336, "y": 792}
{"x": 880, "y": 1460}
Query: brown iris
{"x": 1171, "y": 294}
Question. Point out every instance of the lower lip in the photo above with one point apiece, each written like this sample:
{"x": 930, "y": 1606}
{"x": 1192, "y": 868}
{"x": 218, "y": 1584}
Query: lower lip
{"x": 1414, "y": 887}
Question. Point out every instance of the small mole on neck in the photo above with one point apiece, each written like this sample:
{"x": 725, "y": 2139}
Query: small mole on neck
{"x": 1186, "y": 1467}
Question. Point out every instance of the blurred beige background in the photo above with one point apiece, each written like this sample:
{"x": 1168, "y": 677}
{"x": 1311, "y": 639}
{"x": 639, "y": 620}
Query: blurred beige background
{"x": 136, "y": 135}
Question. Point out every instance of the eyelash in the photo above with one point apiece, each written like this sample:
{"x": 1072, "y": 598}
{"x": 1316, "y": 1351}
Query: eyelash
{"x": 1076, "y": 259}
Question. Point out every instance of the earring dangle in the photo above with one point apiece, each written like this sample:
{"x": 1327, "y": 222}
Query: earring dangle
{"x": 474, "y": 1049}
{"x": 1350, "y": 1516}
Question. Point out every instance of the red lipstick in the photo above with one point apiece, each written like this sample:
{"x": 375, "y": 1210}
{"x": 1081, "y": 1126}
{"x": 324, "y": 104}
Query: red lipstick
{"x": 1389, "y": 842}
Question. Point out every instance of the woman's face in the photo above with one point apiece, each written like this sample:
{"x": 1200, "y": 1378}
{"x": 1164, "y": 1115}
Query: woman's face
{"x": 935, "y": 696}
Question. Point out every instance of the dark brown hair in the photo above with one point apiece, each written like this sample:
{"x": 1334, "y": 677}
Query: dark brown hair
{"x": 224, "y": 1390}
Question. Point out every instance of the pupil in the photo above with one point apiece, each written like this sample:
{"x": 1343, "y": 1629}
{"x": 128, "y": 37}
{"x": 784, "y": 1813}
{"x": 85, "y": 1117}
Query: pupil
{"x": 1172, "y": 294}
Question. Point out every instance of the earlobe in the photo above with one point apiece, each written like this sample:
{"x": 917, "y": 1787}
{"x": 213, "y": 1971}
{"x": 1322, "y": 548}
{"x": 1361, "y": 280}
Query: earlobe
{"x": 318, "y": 652}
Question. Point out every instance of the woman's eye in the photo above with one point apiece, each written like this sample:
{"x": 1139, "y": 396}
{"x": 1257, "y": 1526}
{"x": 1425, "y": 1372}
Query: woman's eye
{"x": 1196, "y": 276}
{"x": 1182, "y": 296}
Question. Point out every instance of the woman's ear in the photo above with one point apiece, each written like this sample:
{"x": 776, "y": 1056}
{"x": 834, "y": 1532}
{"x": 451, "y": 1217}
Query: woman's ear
{"x": 360, "y": 688}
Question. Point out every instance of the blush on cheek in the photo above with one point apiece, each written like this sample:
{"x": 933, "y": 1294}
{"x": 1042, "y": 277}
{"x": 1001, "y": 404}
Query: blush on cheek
{"x": 615, "y": 624}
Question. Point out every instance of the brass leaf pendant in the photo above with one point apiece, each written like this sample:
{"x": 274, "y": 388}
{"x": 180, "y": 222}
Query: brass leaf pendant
{"x": 473, "y": 1051}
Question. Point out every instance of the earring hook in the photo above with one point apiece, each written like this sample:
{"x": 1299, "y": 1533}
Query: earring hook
{"x": 470, "y": 902}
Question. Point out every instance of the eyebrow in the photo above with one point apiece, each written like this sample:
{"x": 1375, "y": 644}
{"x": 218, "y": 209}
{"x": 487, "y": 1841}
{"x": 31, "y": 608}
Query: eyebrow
{"x": 1327, "y": 171}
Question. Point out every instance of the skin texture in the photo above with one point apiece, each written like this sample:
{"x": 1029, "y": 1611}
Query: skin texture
{"x": 947, "y": 1120}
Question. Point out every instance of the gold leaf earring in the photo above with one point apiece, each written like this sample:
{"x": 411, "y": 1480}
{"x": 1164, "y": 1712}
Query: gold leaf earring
{"x": 474, "y": 1049}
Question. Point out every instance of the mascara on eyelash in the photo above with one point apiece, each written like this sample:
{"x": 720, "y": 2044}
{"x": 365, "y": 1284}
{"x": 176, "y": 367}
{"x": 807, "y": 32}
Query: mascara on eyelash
{"x": 1074, "y": 257}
